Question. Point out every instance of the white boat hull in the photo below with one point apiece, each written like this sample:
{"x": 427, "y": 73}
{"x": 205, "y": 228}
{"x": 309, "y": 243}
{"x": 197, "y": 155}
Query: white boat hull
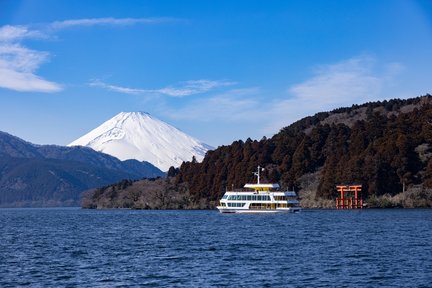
{"x": 244, "y": 211}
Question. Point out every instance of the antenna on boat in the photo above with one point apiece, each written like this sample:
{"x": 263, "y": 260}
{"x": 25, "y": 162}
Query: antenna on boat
{"x": 258, "y": 173}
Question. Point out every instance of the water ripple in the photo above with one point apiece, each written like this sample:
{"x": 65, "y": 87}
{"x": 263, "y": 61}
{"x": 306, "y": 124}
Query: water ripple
{"x": 87, "y": 248}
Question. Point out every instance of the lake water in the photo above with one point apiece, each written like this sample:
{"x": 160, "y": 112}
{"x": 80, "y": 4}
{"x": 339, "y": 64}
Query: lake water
{"x": 314, "y": 248}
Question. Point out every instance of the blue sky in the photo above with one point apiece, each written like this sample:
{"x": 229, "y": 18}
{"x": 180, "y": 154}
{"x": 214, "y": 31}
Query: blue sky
{"x": 218, "y": 70}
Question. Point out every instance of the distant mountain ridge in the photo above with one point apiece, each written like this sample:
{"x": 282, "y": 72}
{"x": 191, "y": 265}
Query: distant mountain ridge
{"x": 138, "y": 135}
{"x": 50, "y": 175}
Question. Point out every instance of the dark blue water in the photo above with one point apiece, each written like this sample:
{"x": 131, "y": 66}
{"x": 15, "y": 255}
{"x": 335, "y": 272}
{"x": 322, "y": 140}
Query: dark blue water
{"x": 74, "y": 247}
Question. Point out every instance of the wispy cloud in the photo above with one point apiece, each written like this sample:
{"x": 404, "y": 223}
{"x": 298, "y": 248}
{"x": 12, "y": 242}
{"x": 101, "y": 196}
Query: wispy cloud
{"x": 10, "y": 33}
{"x": 193, "y": 87}
{"x": 339, "y": 84}
{"x": 353, "y": 81}
{"x": 114, "y": 88}
{"x": 231, "y": 105}
{"x": 183, "y": 89}
{"x": 18, "y": 64}
{"x": 109, "y": 21}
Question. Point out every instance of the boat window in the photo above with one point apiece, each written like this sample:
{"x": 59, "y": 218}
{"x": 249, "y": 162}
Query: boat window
{"x": 236, "y": 204}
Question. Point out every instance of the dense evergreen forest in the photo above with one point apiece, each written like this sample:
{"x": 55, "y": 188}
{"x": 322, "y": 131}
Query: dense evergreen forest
{"x": 384, "y": 146}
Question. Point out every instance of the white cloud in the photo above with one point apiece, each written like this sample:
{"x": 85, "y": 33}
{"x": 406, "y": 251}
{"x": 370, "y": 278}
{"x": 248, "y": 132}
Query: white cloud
{"x": 186, "y": 88}
{"x": 25, "y": 82}
{"x": 232, "y": 105}
{"x": 10, "y": 33}
{"x": 17, "y": 66}
{"x": 106, "y": 21}
{"x": 19, "y": 63}
{"x": 353, "y": 81}
{"x": 193, "y": 87}
{"x": 119, "y": 89}
{"x": 20, "y": 58}
{"x": 339, "y": 84}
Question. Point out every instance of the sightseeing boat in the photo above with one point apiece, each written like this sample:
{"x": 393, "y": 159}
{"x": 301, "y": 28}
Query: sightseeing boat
{"x": 259, "y": 198}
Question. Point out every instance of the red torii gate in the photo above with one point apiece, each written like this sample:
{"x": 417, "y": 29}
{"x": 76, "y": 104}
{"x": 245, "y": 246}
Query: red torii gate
{"x": 350, "y": 197}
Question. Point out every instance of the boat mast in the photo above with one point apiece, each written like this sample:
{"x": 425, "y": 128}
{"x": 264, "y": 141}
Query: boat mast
{"x": 258, "y": 173}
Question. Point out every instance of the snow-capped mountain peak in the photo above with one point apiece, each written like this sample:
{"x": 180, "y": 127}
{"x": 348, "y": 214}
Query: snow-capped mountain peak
{"x": 138, "y": 135}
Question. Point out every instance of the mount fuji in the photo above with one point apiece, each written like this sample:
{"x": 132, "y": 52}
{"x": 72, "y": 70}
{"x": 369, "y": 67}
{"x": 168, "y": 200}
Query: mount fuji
{"x": 140, "y": 136}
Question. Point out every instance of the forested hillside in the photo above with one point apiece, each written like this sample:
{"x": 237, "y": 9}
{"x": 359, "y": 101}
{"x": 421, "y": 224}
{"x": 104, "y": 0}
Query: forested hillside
{"x": 381, "y": 145}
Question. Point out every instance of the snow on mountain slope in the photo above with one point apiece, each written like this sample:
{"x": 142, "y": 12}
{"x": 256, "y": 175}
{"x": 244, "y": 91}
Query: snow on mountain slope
{"x": 137, "y": 135}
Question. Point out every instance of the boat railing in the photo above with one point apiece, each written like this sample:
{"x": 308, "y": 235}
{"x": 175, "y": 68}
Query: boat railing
{"x": 240, "y": 190}
{"x": 252, "y": 190}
